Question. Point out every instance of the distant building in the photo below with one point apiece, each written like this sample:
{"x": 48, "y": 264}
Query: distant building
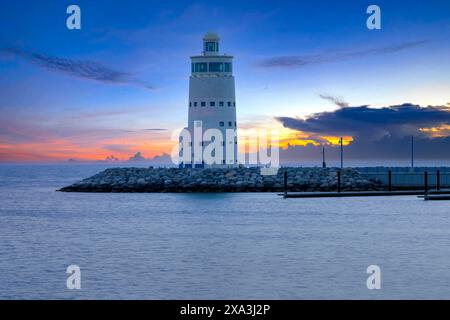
{"x": 212, "y": 101}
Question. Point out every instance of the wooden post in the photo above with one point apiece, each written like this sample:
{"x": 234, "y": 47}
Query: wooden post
{"x": 426, "y": 182}
{"x": 438, "y": 180}
{"x": 285, "y": 182}
{"x": 390, "y": 180}
{"x": 339, "y": 180}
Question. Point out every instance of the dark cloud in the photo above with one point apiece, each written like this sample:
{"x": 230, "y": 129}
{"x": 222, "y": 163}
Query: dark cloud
{"x": 301, "y": 61}
{"x": 336, "y": 100}
{"x": 366, "y": 123}
{"x": 78, "y": 68}
{"x": 379, "y": 133}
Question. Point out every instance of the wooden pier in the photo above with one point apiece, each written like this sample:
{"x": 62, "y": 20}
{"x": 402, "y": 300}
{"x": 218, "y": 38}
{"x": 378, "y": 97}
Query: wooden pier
{"x": 361, "y": 194}
{"x": 436, "y": 197}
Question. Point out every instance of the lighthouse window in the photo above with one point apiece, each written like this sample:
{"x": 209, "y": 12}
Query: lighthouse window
{"x": 200, "y": 67}
{"x": 228, "y": 67}
{"x": 203, "y": 104}
{"x": 212, "y": 104}
{"x": 234, "y": 104}
{"x": 221, "y": 124}
{"x": 221, "y": 103}
{"x": 230, "y": 123}
{"x": 195, "y": 104}
{"x": 190, "y": 104}
{"x": 215, "y": 67}
{"x": 229, "y": 103}
{"x": 211, "y": 46}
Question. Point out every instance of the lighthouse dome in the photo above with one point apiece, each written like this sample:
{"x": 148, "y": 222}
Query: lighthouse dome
{"x": 211, "y": 36}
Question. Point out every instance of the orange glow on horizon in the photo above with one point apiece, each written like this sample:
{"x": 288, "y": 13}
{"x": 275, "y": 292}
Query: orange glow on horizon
{"x": 60, "y": 150}
{"x": 437, "y": 132}
{"x": 124, "y": 146}
{"x": 248, "y": 138}
{"x": 346, "y": 140}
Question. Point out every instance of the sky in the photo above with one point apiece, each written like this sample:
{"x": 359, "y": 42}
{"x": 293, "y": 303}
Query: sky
{"x": 310, "y": 69}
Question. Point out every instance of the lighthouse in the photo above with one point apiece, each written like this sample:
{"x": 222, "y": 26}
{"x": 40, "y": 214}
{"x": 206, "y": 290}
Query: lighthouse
{"x": 212, "y": 109}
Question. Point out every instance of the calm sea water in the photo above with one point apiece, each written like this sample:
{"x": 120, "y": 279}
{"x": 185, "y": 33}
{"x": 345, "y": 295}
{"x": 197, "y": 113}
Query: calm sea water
{"x": 213, "y": 246}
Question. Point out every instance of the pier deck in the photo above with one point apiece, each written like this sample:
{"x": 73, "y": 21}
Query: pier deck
{"x": 361, "y": 193}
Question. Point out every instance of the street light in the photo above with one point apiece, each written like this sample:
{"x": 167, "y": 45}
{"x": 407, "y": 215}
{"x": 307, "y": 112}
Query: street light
{"x": 324, "y": 165}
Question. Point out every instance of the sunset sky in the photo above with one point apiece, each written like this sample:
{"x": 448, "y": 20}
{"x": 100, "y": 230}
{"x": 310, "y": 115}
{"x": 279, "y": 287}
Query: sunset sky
{"x": 311, "y": 69}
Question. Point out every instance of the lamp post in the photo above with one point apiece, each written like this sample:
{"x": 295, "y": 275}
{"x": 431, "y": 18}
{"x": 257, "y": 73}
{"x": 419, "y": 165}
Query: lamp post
{"x": 342, "y": 152}
{"x": 324, "y": 165}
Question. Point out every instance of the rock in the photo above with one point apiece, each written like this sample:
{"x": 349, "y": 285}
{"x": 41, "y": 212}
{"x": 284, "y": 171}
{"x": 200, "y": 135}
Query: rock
{"x": 221, "y": 180}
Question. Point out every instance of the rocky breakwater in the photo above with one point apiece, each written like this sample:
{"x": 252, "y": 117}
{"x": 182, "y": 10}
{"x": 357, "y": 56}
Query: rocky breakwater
{"x": 221, "y": 180}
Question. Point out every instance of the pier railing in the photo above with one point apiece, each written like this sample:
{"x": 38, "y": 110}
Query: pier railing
{"x": 411, "y": 180}
{"x": 390, "y": 180}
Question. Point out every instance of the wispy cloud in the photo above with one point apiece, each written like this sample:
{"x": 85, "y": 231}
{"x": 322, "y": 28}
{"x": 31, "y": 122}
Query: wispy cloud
{"x": 336, "y": 100}
{"x": 306, "y": 60}
{"x": 83, "y": 69}
{"x": 121, "y": 148}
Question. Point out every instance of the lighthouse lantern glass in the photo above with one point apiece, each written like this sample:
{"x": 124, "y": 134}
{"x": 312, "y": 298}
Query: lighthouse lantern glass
{"x": 211, "y": 46}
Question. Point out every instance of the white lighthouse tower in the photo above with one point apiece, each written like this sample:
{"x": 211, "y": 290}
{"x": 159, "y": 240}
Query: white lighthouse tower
{"x": 212, "y": 104}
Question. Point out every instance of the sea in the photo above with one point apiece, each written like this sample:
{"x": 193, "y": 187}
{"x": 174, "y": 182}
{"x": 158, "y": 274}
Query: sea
{"x": 213, "y": 246}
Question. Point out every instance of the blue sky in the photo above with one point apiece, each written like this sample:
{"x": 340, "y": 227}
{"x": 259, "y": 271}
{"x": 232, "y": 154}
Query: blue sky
{"x": 151, "y": 41}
